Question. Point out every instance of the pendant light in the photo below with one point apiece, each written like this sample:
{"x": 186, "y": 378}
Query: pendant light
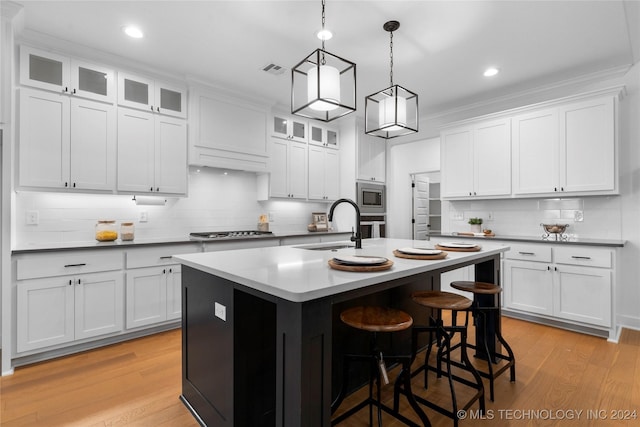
{"x": 323, "y": 85}
{"x": 393, "y": 111}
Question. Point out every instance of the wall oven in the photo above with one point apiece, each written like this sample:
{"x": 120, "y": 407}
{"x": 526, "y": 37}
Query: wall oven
{"x": 371, "y": 198}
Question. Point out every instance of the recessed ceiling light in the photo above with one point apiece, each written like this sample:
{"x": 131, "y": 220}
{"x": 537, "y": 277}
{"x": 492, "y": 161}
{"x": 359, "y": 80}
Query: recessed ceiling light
{"x": 491, "y": 71}
{"x": 324, "y": 34}
{"x": 133, "y": 32}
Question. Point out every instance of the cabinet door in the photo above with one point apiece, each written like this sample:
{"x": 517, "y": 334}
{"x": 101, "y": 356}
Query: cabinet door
{"x": 135, "y": 92}
{"x": 146, "y": 296}
{"x": 279, "y": 160}
{"x": 528, "y": 286}
{"x": 457, "y": 162}
{"x": 371, "y": 158}
{"x": 170, "y": 100}
{"x": 99, "y": 300}
{"x": 333, "y": 138}
{"x": 331, "y": 174}
{"x": 174, "y": 292}
{"x": 317, "y": 135}
{"x": 92, "y": 81}
{"x": 43, "y": 139}
{"x": 316, "y": 172}
{"x": 535, "y": 152}
{"x": 93, "y": 145}
{"x": 44, "y": 312}
{"x": 136, "y": 162}
{"x": 583, "y": 294}
{"x": 170, "y": 172}
{"x": 44, "y": 70}
{"x": 587, "y": 141}
{"x": 298, "y": 170}
{"x": 289, "y": 127}
{"x": 492, "y": 158}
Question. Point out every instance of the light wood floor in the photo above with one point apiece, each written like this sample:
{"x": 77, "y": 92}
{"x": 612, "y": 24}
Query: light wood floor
{"x": 137, "y": 383}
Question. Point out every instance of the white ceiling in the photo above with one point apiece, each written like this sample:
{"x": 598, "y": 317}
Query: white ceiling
{"x": 440, "y": 50}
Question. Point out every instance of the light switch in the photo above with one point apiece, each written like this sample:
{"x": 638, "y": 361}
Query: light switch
{"x": 220, "y": 311}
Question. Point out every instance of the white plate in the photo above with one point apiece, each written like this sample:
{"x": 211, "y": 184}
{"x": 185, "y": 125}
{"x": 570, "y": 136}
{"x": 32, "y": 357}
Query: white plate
{"x": 460, "y": 245}
{"x": 420, "y": 251}
{"x": 359, "y": 260}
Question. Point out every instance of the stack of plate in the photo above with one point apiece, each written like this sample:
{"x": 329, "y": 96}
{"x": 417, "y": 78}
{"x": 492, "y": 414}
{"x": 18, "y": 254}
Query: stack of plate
{"x": 419, "y": 251}
{"x": 457, "y": 245}
{"x": 359, "y": 260}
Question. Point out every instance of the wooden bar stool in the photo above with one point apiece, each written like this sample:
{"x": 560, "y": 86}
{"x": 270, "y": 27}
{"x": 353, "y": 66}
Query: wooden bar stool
{"x": 438, "y": 301}
{"x": 480, "y": 314}
{"x": 377, "y": 320}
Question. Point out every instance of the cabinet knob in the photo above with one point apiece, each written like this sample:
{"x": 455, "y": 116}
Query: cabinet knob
{"x": 66, "y": 184}
{"x": 70, "y": 282}
{"x": 79, "y": 283}
{"x": 150, "y": 188}
{"x": 555, "y": 188}
{"x": 74, "y": 92}
{"x": 74, "y": 185}
{"x": 66, "y": 89}
{"x": 151, "y": 107}
{"x": 158, "y": 189}
{"x": 158, "y": 109}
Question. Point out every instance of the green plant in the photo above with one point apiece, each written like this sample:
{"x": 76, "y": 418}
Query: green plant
{"x": 475, "y": 221}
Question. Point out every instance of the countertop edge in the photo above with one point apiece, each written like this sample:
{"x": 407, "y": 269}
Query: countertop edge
{"x": 613, "y": 243}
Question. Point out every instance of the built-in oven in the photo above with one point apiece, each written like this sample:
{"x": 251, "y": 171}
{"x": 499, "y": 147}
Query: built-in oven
{"x": 371, "y": 198}
{"x": 372, "y": 226}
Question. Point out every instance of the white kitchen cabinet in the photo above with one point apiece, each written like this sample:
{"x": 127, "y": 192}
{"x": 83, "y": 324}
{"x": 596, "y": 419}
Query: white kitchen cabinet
{"x": 62, "y": 74}
{"x": 153, "y": 295}
{"x": 227, "y": 133}
{"x": 152, "y": 153}
{"x": 289, "y": 127}
{"x": 145, "y": 93}
{"x": 324, "y": 171}
{"x": 568, "y": 150}
{"x": 288, "y": 165}
{"x": 323, "y": 136}
{"x": 66, "y": 143}
{"x": 571, "y": 283}
{"x": 476, "y": 160}
{"x": 58, "y": 310}
{"x": 371, "y": 158}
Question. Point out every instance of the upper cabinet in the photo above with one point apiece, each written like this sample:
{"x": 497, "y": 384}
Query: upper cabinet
{"x": 289, "y": 127}
{"x": 371, "y": 158}
{"x": 147, "y": 94}
{"x": 63, "y": 74}
{"x": 476, "y": 160}
{"x": 568, "y": 150}
{"x": 565, "y": 147}
{"x": 323, "y": 136}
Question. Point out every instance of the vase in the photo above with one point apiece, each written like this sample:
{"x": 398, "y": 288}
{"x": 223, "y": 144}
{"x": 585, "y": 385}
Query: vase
{"x": 475, "y": 228}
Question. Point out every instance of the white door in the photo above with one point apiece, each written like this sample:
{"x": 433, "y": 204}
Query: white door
{"x": 583, "y": 294}
{"x": 174, "y": 291}
{"x": 278, "y": 165}
{"x": 316, "y": 171}
{"x": 99, "y": 303}
{"x": 146, "y": 296}
{"x": 298, "y": 170}
{"x": 136, "y": 142}
{"x": 93, "y": 145}
{"x": 457, "y": 162}
{"x": 170, "y": 155}
{"x": 331, "y": 174}
{"x": 420, "y": 187}
{"x": 492, "y": 158}
{"x": 528, "y": 286}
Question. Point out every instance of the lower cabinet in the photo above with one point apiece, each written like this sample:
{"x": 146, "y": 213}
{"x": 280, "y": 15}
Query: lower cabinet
{"x": 153, "y": 295}
{"x": 57, "y": 310}
{"x": 571, "y": 283}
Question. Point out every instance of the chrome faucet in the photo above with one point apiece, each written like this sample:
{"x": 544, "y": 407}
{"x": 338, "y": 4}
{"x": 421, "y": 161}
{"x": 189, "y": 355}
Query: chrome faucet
{"x": 355, "y": 236}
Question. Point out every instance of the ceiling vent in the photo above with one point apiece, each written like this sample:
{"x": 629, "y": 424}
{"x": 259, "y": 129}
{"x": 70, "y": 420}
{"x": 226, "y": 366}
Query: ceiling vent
{"x": 274, "y": 69}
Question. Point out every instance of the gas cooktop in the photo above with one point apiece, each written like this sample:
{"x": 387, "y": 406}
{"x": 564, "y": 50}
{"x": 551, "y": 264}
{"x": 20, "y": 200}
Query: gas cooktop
{"x": 228, "y": 234}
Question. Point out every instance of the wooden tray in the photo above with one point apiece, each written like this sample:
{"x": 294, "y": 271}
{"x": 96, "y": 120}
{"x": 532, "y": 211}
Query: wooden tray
{"x": 360, "y": 268}
{"x": 441, "y": 255}
{"x": 448, "y": 249}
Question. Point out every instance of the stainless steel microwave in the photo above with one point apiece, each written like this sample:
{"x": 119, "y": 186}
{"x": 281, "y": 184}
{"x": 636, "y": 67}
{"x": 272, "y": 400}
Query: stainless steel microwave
{"x": 371, "y": 198}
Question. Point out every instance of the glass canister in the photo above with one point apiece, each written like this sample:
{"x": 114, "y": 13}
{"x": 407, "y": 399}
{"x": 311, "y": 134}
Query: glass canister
{"x": 127, "y": 231}
{"x": 106, "y": 231}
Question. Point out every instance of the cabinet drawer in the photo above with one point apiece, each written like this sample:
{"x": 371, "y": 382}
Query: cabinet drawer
{"x": 47, "y": 265}
{"x": 592, "y": 257}
{"x": 540, "y": 253}
{"x": 159, "y": 255}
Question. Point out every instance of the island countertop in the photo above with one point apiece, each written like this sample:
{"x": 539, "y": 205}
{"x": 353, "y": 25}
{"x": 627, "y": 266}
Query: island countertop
{"x": 297, "y": 274}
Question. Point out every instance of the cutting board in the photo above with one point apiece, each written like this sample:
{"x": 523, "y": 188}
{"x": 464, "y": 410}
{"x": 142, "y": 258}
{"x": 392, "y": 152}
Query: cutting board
{"x": 441, "y": 255}
{"x": 360, "y": 268}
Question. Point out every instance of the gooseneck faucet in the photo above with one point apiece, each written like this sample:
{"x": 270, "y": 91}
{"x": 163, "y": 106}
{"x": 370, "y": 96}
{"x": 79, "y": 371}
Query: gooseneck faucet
{"x": 355, "y": 236}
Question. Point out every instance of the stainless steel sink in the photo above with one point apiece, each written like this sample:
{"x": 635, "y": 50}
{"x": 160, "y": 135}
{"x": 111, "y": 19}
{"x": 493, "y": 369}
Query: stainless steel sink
{"x": 333, "y": 247}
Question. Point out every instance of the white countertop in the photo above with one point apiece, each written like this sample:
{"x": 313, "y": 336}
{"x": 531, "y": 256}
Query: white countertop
{"x": 299, "y": 275}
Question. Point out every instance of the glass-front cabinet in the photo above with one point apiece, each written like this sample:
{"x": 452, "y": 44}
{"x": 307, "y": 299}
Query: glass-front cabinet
{"x": 63, "y": 74}
{"x": 144, "y": 93}
{"x": 288, "y": 127}
{"x": 321, "y": 135}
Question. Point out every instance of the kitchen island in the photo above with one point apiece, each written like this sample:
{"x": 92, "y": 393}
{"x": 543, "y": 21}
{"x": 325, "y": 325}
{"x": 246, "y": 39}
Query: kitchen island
{"x": 259, "y": 324}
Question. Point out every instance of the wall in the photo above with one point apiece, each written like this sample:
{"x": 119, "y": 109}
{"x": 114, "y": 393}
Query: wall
{"x": 218, "y": 201}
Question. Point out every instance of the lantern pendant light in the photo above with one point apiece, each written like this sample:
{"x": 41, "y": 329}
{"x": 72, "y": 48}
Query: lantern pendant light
{"x": 393, "y": 111}
{"x": 323, "y": 85}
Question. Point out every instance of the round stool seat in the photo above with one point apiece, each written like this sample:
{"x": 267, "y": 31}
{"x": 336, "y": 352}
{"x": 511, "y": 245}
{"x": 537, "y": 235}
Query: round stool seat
{"x": 376, "y": 319}
{"x": 441, "y": 300}
{"x": 477, "y": 287}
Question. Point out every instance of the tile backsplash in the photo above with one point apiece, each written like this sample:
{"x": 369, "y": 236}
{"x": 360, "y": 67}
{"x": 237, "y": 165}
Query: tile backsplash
{"x": 589, "y": 217}
{"x": 218, "y": 200}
